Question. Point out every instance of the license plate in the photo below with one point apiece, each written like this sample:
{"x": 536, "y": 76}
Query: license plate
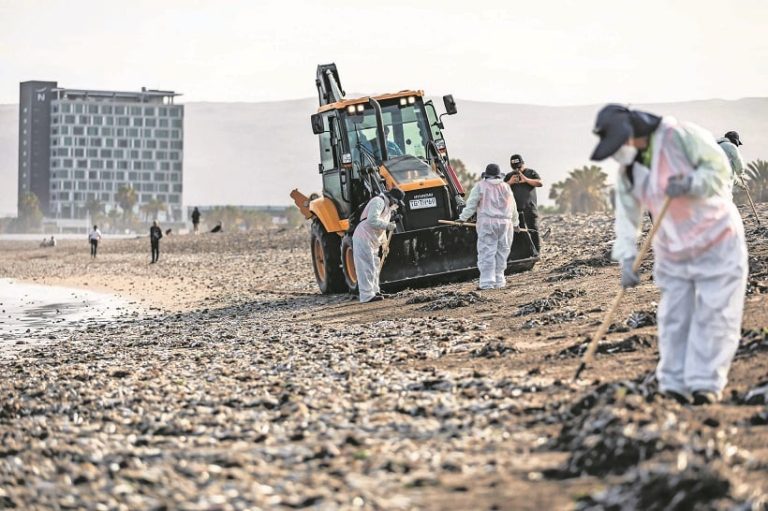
{"x": 429, "y": 202}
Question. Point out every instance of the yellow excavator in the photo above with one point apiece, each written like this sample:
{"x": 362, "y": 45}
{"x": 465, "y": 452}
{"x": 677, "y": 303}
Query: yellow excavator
{"x": 367, "y": 146}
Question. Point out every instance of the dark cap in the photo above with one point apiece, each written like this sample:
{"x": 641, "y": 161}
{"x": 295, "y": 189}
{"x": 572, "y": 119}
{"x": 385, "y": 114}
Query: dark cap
{"x": 396, "y": 195}
{"x": 614, "y": 129}
{"x": 516, "y": 160}
{"x": 492, "y": 170}
{"x": 733, "y": 137}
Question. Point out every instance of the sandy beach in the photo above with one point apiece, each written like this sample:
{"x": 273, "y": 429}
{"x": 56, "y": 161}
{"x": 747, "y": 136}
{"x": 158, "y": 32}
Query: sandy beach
{"x": 239, "y": 386}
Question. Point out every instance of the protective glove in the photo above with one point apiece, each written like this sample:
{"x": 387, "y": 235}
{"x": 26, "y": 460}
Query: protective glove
{"x": 391, "y": 226}
{"x": 629, "y": 277}
{"x": 517, "y": 228}
{"x": 679, "y": 185}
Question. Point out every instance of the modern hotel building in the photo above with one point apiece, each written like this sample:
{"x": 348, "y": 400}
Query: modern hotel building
{"x": 78, "y": 147}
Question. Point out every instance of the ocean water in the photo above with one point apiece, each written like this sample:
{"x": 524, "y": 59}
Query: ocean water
{"x": 29, "y": 310}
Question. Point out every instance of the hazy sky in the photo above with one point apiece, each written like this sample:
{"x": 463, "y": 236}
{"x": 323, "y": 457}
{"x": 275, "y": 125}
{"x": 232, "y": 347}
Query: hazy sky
{"x": 543, "y": 51}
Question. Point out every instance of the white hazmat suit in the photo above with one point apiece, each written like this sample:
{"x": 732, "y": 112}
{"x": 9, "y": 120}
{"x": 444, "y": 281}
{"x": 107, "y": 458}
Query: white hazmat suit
{"x": 366, "y": 240}
{"x": 497, "y": 218}
{"x": 700, "y": 254}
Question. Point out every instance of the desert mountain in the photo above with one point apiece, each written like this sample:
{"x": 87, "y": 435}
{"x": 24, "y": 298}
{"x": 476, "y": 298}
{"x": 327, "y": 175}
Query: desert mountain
{"x": 255, "y": 153}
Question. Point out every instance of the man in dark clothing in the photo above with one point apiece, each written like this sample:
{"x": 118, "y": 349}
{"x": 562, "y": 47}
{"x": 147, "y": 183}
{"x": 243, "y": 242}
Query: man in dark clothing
{"x": 524, "y": 182}
{"x": 195, "y": 219}
{"x": 155, "y": 234}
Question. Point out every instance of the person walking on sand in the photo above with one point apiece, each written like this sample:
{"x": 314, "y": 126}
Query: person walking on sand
{"x": 94, "y": 237}
{"x": 195, "y": 220}
{"x": 497, "y": 220}
{"x": 700, "y": 255}
{"x": 155, "y": 235}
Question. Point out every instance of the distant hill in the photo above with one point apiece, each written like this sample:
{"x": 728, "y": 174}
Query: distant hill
{"x": 255, "y": 153}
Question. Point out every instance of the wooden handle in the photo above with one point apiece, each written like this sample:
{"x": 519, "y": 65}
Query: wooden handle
{"x": 589, "y": 354}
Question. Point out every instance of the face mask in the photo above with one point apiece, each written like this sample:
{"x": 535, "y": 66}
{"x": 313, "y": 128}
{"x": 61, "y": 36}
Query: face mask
{"x": 625, "y": 155}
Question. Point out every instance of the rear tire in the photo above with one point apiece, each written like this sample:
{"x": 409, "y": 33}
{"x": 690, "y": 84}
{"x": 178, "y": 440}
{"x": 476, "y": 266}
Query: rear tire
{"x": 326, "y": 259}
{"x": 348, "y": 264}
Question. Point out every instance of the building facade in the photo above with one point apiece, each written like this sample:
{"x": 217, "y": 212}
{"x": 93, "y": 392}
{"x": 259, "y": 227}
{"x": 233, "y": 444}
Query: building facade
{"x": 77, "y": 148}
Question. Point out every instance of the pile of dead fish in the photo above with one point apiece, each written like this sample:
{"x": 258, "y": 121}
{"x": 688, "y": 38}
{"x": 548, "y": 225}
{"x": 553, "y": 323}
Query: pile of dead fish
{"x": 495, "y": 348}
{"x": 690, "y": 486}
{"x": 752, "y": 341}
{"x": 557, "y": 299}
{"x": 554, "y": 319}
{"x": 627, "y": 345}
{"x": 449, "y": 300}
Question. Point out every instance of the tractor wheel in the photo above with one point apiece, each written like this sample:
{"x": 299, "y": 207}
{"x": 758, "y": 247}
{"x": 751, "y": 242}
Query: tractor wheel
{"x": 326, "y": 259}
{"x": 348, "y": 264}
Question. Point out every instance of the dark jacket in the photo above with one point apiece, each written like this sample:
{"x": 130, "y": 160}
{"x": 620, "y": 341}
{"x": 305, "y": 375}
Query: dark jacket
{"x": 155, "y": 234}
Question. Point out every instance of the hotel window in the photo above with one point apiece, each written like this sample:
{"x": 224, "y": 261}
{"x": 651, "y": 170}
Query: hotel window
{"x": 137, "y": 165}
{"x": 82, "y": 164}
{"x": 106, "y": 109}
{"x": 92, "y": 153}
{"x": 146, "y": 155}
{"x": 134, "y": 155}
{"x": 66, "y": 108}
{"x": 175, "y": 111}
{"x": 122, "y": 143}
{"x": 98, "y": 120}
{"x": 132, "y": 132}
{"x": 84, "y": 119}
{"x": 92, "y": 174}
{"x": 92, "y": 131}
{"x": 138, "y": 121}
{"x": 149, "y": 111}
{"x": 177, "y": 123}
{"x": 67, "y": 163}
{"x": 110, "y": 121}
{"x": 69, "y": 119}
{"x": 106, "y": 132}
{"x": 136, "y": 144}
{"x": 150, "y": 123}
{"x": 110, "y": 164}
{"x": 105, "y": 153}
{"x": 96, "y": 142}
{"x": 146, "y": 133}
{"x": 79, "y": 153}
{"x": 119, "y": 110}
{"x": 93, "y": 109}
{"x": 135, "y": 110}
{"x": 163, "y": 112}
{"x": 78, "y": 130}
{"x": 150, "y": 144}
{"x": 163, "y": 123}
{"x": 123, "y": 121}
{"x": 79, "y": 108}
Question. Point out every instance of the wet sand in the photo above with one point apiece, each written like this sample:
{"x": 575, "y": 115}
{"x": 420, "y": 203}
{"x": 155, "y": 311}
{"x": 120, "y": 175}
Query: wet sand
{"x": 243, "y": 388}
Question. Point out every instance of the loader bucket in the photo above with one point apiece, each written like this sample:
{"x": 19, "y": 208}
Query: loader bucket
{"x": 443, "y": 253}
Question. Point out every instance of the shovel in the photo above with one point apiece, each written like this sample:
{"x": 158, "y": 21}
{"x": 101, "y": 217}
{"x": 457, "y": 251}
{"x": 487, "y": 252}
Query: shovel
{"x": 749, "y": 196}
{"x": 470, "y": 224}
{"x": 589, "y": 354}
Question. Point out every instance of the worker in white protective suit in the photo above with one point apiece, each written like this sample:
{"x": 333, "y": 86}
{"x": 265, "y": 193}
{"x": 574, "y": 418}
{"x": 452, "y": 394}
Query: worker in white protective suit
{"x": 730, "y": 143}
{"x": 497, "y": 220}
{"x": 700, "y": 254}
{"x": 369, "y": 234}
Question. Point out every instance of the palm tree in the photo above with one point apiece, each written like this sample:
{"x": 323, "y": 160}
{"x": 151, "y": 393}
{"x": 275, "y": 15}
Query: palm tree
{"x": 30, "y": 215}
{"x": 756, "y": 178}
{"x": 583, "y": 191}
{"x": 94, "y": 207}
{"x": 466, "y": 178}
{"x": 126, "y": 199}
{"x": 152, "y": 208}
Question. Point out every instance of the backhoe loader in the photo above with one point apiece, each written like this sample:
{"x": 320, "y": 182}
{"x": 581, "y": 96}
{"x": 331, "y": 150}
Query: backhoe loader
{"x": 368, "y": 145}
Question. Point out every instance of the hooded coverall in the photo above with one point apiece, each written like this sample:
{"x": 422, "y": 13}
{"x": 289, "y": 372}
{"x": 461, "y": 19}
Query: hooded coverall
{"x": 700, "y": 255}
{"x": 734, "y": 158}
{"x": 366, "y": 240}
{"x": 497, "y": 217}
